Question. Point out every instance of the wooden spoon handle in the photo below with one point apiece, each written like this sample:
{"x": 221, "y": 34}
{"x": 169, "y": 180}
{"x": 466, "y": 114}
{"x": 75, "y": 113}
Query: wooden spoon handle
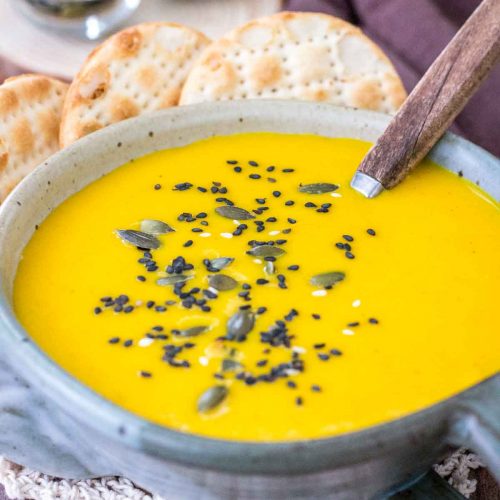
{"x": 437, "y": 99}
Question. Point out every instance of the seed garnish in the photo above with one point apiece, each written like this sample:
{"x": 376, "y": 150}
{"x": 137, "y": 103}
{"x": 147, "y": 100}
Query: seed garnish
{"x": 154, "y": 227}
{"x": 318, "y": 188}
{"x": 194, "y": 331}
{"x": 327, "y": 279}
{"x": 138, "y": 238}
{"x": 212, "y": 398}
{"x": 222, "y": 282}
{"x": 234, "y": 213}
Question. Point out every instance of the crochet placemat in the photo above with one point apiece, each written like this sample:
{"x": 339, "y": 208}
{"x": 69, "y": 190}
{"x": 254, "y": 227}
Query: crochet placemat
{"x": 23, "y": 484}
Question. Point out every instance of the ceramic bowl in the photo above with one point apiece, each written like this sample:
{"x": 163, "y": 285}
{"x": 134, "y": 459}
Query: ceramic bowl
{"x": 52, "y": 423}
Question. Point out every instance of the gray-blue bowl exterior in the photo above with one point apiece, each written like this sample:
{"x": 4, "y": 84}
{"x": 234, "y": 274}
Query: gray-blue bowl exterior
{"x": 51, "y": 422}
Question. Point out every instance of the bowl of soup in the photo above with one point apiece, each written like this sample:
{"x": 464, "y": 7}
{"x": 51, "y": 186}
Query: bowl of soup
{"x": 197, "y": 300}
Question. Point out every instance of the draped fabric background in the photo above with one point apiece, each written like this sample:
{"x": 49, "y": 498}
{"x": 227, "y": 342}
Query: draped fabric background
{"x": 413, "y": 33}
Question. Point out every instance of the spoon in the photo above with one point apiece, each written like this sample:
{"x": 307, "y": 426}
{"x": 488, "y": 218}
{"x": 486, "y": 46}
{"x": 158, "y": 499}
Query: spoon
{"x": 433, "y": 104}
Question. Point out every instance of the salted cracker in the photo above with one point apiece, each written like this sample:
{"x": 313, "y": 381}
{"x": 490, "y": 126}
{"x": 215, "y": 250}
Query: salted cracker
{"x": 30, "y": 115}
{"x": 306, "y": 56}
{"x": 137, "y": 70}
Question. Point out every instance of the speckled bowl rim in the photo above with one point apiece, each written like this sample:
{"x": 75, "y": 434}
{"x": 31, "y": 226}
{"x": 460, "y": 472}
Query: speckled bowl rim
{"x": 113, "y": 421}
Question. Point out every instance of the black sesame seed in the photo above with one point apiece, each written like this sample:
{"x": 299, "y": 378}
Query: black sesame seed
{"x": 339, "y": 245}
{"x": 371, "y": 232}
{"x": 261, "y": 310}
{"x": 97, "y": 310}
{"x": 188, "y": 243}
{"x": 319, "y": 346}
{"x": 373, "y": 321}
{"x": 347, "y": 247}
{"x": 262, "y": 362}
{"x": 231, "y": 162}
{"x": 335, "y": 352}
{"x": 316, "y": 316}
{"x": 271, "y": 168}
{"x": 289, "y": 203}
{"x": 197, "y": 230}
{"x": 128, "y": 343}
{"x": 299, "y": 401}
{"x": 157, "y": 187}
{"x": 323, "y": 356}
{"x": 271, "y": 179}
{"x": 150, "y": 304}
{"x": 291, "y": 221}
{"x": 280, "y": 242}
{"x": 347, "y": 237}
{"x": 114, "y": 340}
{"x": 253, "y": 163}
{"x": 315, "y": 388}
{"x": 271, "y": 219}
{"x": 310, "y": 204}
{"x": 183, "y": 186}
{"x": 145, "y": 374}
{"x": 288, "y": 170}
{"x": 276, "y": 194}
{"x": 128, "y": 309}
{"x": 202, "y": 189}
{"x": 141, "y": 278}
{"x": 201, "y": 215}
{"x": 237, "y": 169}
{"x": 254, "y": 176}
{"x": 293, "y": 267}
{"x": 349, "y": 255}
{"x": 354, "y": 323}
{"x": 262, "y": 281}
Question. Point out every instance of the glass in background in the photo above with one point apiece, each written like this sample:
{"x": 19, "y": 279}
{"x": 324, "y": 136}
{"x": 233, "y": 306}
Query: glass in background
{"x": 88, "y": 19}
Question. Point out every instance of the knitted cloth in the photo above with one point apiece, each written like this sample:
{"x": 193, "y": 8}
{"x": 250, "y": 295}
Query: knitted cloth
{"x": 23, "y": 484}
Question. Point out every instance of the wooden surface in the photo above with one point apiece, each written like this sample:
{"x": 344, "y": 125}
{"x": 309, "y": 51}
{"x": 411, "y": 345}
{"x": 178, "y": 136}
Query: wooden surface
{"x": 438, "y": 98}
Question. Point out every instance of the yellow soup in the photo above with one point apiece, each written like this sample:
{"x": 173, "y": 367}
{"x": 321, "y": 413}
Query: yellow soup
{"x": 347, "y": 312}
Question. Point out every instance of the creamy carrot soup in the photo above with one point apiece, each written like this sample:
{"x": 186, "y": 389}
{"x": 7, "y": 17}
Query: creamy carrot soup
{"x": 238, "y": 288}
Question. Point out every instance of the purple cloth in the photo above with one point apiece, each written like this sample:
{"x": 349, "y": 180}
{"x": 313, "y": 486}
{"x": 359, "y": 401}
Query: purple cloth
{"x": 413, "y": 33}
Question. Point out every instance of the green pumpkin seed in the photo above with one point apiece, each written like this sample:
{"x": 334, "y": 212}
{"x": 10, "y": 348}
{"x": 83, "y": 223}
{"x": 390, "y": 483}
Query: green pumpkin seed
{"x": 212, "y": 398}
{"x": 318, "y": 188}
{"x": 269, "y": 268}
{"x": 234, "y": 213}
{"x": 220, "y": 263}
{"x": 266, "y": 251}
{"x": 173, "y": 279}
{"x": 327, "y": 279}
{"x": 222, "y": 282}
{"x": 240, "y": 324}
{"x": 231, "y": 365}
{"x": 152, "y": 226}
{"x": 138, "y": 238}
{"x": 190, "y": 332}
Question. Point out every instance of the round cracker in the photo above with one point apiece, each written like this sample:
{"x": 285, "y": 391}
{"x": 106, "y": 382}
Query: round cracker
{"x": 30, "y": 115}
{"x": 139, "y": 69}
{"x": 299, "y": 56}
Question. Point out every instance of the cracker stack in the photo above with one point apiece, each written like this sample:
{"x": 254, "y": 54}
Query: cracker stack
{"x": 30, "y": 113}
{"x": 300, "y": 56}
